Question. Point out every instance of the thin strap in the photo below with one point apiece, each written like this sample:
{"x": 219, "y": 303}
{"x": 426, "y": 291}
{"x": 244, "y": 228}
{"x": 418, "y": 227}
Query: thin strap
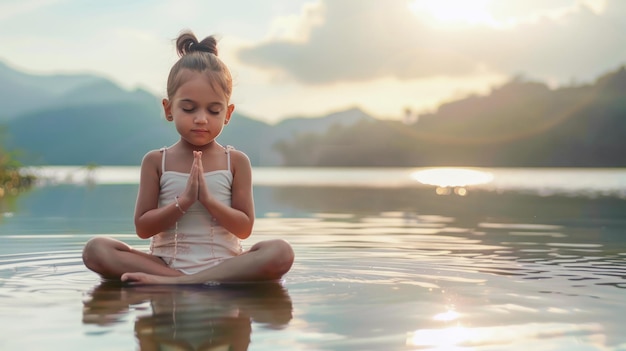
{"x": 228, "y": 148}
{"x": 163, "y": 149}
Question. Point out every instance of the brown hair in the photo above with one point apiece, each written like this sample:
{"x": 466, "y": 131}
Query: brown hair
{"x": 199, "y": 57}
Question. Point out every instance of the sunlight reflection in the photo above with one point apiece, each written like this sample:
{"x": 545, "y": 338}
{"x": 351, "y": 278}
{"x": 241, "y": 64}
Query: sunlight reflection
{"x": 446, "y": 316}
{"x": 459, "y": 337}
{"x": 445, "y": 178}
{"x": 443, "y": 339}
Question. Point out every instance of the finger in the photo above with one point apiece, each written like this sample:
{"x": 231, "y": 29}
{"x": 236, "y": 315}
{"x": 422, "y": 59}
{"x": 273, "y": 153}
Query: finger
{"x": 200, "y": 165}
{"x": 201, "y": 183}
{"x": 192, "y": 182}
{"x": 194, "y": 163}
{"x": 198, "y": 159}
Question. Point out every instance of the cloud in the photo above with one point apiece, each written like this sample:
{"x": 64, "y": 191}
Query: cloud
{"x": 350, "y": 40}
{"x": 580, "y": 44}
{"x": 359, "y": 42}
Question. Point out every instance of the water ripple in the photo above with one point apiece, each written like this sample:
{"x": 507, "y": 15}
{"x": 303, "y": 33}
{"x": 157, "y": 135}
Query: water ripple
{"x": 377, "y": 264}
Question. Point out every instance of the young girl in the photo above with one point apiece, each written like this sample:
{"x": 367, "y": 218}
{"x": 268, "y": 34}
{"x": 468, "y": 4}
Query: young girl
{"x": 195, "y": 197}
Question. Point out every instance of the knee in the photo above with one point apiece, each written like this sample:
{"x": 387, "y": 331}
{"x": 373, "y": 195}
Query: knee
{"x": 282, "y": 257}
{"x": 286, "y": 251}
{"x": 94, "y": 251}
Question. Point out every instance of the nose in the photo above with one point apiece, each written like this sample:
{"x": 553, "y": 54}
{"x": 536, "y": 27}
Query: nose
{"x": 201, "y": 118}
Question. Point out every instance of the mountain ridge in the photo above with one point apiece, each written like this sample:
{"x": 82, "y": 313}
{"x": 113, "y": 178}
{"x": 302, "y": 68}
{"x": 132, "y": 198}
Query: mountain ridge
{"x": 94, "y": 121}
{"x": 22, "y": 92}
{"x": 518, "y": 124}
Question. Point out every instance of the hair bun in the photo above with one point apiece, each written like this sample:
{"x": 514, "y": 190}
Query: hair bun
{"x": 209, "y": 45}
{"x": 188, "y": 43}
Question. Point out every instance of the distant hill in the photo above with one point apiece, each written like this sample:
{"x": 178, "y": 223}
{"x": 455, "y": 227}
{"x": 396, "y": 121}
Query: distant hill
{"x": 107, "y": 134}
{"x": 90, "y": 120}
{"x": 21, "y": 92}
{"x": 298, "y": 125}
{"x": 87, "y": 119}
{"x": 518, "y": 124}
{"x": 103, "y": 92}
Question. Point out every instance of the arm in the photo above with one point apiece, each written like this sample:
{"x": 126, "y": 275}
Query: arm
{"x": 239, "y": 218}
{"x": 150, "y": 219}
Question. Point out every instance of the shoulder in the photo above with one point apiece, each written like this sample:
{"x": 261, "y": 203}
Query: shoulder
{"x": 239, "y": 156}
{"x": 152, "y": 159}
{"x": 239, "y": 159}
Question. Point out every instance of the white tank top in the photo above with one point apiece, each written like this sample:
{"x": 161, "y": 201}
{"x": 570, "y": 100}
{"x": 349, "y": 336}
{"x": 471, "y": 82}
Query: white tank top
{"x": 197, "y": 241}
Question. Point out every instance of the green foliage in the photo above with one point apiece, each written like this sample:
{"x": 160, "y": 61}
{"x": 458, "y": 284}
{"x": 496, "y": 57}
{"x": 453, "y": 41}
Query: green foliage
{"x": 11, "y": 180}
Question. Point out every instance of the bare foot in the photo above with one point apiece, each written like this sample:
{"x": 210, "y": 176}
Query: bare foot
{"x": 145, "y": 278}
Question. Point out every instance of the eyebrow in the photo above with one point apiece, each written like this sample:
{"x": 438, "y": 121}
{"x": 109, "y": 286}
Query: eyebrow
{"x": 192, "y": 101}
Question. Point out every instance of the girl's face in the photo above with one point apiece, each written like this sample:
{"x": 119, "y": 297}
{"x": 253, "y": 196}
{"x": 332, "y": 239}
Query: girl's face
{"x": 198, "y": 110}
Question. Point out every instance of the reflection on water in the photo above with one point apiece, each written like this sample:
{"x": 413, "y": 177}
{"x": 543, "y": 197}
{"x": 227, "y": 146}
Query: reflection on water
{"x": 190, "y": 317}
{"x": 452, "y": 180}
{"x": 452, "y": 177}
{"x": 537, "y": 265}
{"x": 455, "y": 337}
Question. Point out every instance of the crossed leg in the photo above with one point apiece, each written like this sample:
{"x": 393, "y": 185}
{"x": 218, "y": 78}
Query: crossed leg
{"x": 266, "y": 260}
{"x": 111, "y": 258}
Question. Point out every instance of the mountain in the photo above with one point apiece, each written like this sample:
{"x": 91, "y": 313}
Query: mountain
{"x": 527, "y": 124}
{"x": 106, "y": 134}
{"x": 298, "y": 125}
{"x": 22, "y": 92}
{"x": 90, "y": 120}
{"x": 102, "y": 92}
{"x": 518, "y": 124}
{"x": 291, "y": 128}
{"x": 121, "y": 133}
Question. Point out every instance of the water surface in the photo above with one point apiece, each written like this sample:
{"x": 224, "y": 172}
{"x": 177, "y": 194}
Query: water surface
{"x": 506, "y": 259}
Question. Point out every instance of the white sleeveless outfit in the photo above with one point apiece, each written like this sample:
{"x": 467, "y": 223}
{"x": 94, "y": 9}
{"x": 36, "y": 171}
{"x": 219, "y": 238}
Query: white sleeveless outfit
{"x": 197, "y": 241}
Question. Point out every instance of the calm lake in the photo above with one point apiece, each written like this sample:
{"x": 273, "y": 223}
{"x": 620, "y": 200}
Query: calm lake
{"x": 386, "y": 259}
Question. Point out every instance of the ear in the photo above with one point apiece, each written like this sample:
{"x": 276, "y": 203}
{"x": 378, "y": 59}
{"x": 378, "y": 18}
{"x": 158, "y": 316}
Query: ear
{"x": 229, "y": 113}
{"x": 167, "y": 109}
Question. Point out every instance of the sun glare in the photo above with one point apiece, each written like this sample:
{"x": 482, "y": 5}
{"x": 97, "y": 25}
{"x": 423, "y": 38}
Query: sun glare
{"x": 453, "y": 12}
{"x": 447, "y": 339}
{"x": 452, "y": 177}
{"x": 458, "y": 337}
{"x": 446, "y": 316}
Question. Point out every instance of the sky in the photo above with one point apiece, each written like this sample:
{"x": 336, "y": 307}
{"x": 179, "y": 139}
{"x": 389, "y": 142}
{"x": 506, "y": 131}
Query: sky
{"x": 312, "y": 57}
